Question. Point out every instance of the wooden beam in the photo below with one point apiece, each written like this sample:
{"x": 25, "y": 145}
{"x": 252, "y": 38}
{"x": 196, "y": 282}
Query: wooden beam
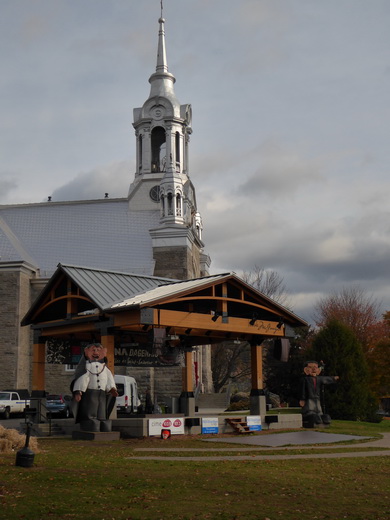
{"x": 189, "y": 320}
{"x": 224, "y": 301}
{"x": 187, "y": 381}
{"x": 187, "y": 299}
{"x": 257, "y": 367}
{"x": 38, "y": 365}
{"x": 59, "y": 298}
{"x": 108, "y": 341}
{"x": 72, "y": 328}
{"x": 127, "y": 318}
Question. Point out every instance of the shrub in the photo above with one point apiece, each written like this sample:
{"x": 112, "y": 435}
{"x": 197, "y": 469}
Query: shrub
{"x": 239, "y": 405}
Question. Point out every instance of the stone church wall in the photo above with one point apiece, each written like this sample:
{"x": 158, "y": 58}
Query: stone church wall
{"x": 179, "y": 262}
{"x": 15, "y": 341}
{"x": 58, "y": 379}
{"x": 9, "y": 302}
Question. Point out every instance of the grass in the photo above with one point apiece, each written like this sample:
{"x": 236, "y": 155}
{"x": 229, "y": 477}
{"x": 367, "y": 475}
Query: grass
{"x": 100, "y": 481}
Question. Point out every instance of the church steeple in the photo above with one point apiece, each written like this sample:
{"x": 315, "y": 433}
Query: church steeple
{"x": 162, "y": 80}
{"x": 163, "y": 128}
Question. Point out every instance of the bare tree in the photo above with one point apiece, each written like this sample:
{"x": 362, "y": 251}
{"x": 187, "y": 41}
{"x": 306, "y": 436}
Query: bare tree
{"x": 267, "y": 282}
{"x": 353, "y": 307}
{"x": 231, "y": 361}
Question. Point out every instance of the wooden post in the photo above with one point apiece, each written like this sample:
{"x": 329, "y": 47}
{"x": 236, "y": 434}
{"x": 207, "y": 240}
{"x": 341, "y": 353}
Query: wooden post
{"x": 187, "y": 383}
{"x": 187, "y": 399}
{"x": 257, "y": 398}
{"x": 257, "y": 367}
{"x": 38, "y": 364}
{"x": 108, "y": 341}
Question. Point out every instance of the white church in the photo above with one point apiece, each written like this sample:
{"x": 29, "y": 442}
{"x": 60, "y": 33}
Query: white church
{"x": 156, "y": 230}
{"x": 130, "y": 269}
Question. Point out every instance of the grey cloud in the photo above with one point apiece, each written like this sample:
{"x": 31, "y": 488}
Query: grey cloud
{"x": 113, "y": 179}
{"x": 281, "y": 172}
{"x": 313, "y": 258}
{"x": 307, "y": 201}
{"x": 34, "y": 28}
{"x": 6, "y": 187}
{"x": 216, "y": 162}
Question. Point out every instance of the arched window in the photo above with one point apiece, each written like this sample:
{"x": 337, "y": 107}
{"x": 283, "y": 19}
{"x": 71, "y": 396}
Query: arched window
{"x": 140, "y": 152}
{"x": 177, "y": 150}
{"x": 158, "y": 137}
{"x": 170, "y": 204}
{"x": 178, "y": 205}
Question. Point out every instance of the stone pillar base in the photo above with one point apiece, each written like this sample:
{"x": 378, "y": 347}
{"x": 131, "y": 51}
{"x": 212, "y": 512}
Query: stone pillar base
{"x": 258, "y": 405}
{"x": 187, "y": 404}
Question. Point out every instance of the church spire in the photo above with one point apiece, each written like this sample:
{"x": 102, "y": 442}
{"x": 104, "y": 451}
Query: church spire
{"x": 162, "y": 65}
{"x": 162, "y": 80}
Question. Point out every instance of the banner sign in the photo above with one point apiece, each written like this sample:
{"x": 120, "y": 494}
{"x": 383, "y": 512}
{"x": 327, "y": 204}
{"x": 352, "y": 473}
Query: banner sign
{"x": 63, "y": 352}
{"x": 254, "y": 423}
{"x": 146, "y": 355}
{"x": 136, "y": 355}
{"x": 174, "y": 424}
{"x": 209, "y": 424}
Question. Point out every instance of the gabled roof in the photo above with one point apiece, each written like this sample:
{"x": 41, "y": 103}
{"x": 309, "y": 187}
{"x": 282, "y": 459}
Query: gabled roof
{"x": 106, "y": 287}
{"x": 112, "y": 292}
{"x": 171, "y": 289}
{"x": 102, "y": 287}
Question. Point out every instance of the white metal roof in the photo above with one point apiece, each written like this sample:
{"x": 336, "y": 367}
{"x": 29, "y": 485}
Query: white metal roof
{"x": 106, "y": 287}
{"x": 103, "y": 234}
{"x": 168, "y": 289}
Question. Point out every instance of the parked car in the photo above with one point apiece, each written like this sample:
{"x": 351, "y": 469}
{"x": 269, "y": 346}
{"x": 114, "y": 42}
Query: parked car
{"x": 58, "y": 404}
{"x": 12, "y": 403}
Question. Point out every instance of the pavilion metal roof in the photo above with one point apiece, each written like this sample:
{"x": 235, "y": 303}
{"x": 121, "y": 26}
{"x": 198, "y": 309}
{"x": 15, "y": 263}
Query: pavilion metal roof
{"x": 115, "y": 291}
{"x": 169, "y": 289}
{"x": 106, "y": 287}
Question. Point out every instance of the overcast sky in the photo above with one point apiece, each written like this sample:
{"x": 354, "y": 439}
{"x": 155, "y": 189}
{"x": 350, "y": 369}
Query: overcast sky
{"x": 290, "y": 148}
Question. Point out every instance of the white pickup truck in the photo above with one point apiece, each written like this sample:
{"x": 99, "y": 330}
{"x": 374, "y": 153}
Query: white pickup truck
{"x": 11, "y": 402}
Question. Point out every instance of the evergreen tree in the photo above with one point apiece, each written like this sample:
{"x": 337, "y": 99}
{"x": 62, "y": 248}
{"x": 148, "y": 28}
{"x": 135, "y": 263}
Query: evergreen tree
{"x": 284, "y": 378}
{"x": 350, "y": 399}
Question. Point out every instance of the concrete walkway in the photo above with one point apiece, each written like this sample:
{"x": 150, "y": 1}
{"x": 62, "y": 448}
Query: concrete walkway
{"x": 298, "y": 438}
{"x": 303, "y": 440}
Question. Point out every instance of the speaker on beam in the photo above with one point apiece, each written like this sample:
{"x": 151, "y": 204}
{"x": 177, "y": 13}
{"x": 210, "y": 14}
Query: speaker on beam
{"x": 281, "y": 349}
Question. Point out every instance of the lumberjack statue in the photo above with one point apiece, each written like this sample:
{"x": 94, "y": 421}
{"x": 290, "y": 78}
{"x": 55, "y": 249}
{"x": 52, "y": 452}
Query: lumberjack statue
{"x": 311, "y": 393}
{"x": 94, "y": 390}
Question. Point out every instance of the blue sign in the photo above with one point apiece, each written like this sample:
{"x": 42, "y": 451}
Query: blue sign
{"x": 254, "y": 423}
{"x": 209, "y": 424}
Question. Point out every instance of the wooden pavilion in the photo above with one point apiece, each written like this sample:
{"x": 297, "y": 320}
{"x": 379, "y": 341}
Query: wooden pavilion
{"x": 92, "y": 305}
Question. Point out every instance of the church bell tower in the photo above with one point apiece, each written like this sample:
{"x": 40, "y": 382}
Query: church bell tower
{"x": 162, "y": 183}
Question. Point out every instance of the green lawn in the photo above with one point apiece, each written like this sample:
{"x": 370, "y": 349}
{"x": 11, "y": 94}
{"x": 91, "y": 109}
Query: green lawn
{"x": 96, "y": 481}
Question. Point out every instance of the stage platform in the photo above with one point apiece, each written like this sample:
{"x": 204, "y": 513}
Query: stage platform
{"x": 139, "y": 425}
